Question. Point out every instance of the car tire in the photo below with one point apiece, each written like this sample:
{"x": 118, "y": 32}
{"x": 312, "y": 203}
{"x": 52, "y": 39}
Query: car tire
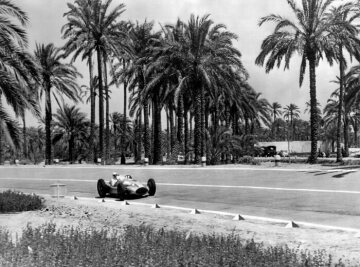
{"x": 121, "y": 192}
{"x": 152, "y": 186}
{"x": 102, "y": 188}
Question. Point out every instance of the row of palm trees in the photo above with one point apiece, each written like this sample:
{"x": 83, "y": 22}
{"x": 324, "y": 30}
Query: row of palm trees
{"x": 321, "y": 30}
{"x": 189, "y": 71}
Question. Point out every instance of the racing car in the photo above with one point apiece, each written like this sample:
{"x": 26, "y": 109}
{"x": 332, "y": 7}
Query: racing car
{"x": 123, "y": 186}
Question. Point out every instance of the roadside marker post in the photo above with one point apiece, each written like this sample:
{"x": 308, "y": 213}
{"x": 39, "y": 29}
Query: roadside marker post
{"x": 195, "y": 211}
{"x": 58, "y": 191}
{"x": 238, "y": 217}
{"x": 292, "y": 224}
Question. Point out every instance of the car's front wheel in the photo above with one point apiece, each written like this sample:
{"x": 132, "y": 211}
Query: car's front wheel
{"x": 102, "y": 188}
{"x": 152, "y": 186}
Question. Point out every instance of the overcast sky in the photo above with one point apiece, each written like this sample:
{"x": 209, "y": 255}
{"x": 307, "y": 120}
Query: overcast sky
{"x": 240, "y": 16}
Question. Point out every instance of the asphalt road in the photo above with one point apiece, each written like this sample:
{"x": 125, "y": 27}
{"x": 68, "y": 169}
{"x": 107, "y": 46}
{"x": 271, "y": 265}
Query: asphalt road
{"x": 330, "y": 197}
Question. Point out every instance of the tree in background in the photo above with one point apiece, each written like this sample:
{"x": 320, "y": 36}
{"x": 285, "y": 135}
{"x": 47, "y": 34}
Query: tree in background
{"x": 72, "y": 126}
{"x": 57, "y": 79}
{"x": 309, "y": 35}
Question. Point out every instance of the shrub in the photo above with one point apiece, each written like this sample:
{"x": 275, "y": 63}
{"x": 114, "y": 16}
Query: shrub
{"x": 11, "y": 201}
{"x": 144, "y": 246}
{"x": 249, "y": 160}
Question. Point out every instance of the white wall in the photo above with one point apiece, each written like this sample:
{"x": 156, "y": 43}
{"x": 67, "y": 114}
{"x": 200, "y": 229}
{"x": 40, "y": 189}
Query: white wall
{"x": 295, "y": 146}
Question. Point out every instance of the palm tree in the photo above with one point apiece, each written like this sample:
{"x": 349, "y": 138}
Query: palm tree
{"x": 310, "y": 36}
{"x": 104, "y": 34}
{"x": 291, "y": 112}
{"x": 71, "y": 125}
{"x": 202, "y": 56}
{"x": 80, "y": 41}
{"x": 17, "y": 73}
{"x": 275, "y": 110}
{"x": 137, "y": 74}
{"x": 57, "y": 78}
{"x": 344, "y": 33}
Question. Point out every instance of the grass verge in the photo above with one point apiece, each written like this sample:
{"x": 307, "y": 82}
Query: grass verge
{"x": 145, "y": 246}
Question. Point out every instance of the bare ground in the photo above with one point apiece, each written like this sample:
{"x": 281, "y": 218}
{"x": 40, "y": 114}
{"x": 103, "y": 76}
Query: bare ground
{"x": 89, "y": 213}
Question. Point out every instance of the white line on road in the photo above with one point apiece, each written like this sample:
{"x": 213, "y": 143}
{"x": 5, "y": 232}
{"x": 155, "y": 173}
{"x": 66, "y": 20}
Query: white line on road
{"x": 266, "y": 188}
{"x": 193, "y": 168}
{"x": 206, "y": 185}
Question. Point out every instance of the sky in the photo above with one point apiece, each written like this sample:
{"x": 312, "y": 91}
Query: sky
{"x": 240, "y": 17}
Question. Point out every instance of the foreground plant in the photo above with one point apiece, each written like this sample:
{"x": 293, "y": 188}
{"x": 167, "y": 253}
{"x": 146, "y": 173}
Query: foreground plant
{"x": 11, "y": 201}
{"x": 144, "y": 246}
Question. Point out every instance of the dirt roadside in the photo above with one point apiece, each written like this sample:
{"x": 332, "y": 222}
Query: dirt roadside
{"x": 89, "y": 213}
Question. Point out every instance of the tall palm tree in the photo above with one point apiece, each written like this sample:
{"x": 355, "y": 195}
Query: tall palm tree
{"x": 344, "y": 33}
{"x": 57, "y": 79}
{"x": 17, "y": 72}
{"x": 275, "y": 110}
{"x": 79, "y": 41}
{"x": 104, "y": 34}
{"x": 72, "y": 125}
{"x": 202, "y": 52}
{"x": 137, "y": 73}
{"x": 310, "y": 36}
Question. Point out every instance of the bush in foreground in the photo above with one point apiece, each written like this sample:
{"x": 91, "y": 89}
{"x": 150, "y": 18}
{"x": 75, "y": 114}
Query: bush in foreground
{"x": 144, "y": 246}
{"x": 11, "y": 201}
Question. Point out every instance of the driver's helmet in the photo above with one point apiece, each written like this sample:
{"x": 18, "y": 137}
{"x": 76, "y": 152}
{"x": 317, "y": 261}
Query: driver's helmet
{"x": 128, "y": 177}
{"x": 115, "y": 174}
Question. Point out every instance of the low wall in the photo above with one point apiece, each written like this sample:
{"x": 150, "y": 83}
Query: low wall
{"x": 295, "y": 146}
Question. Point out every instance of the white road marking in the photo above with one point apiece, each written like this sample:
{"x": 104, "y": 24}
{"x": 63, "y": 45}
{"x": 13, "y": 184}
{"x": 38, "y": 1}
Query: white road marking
{"x": 206, "y": 185}
{"x": 194, "y": 167}
{"x": 265, "y": 188}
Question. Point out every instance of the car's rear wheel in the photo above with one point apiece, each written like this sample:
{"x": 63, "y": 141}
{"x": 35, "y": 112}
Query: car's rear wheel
{"x": 121, "y": 192}
{"x": 102, "y": 188}
{"x": 152, "y": 186}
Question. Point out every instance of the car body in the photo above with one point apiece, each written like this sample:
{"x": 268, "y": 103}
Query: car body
{"x": 126, "y": 187}
{"x": 269, "y": 151}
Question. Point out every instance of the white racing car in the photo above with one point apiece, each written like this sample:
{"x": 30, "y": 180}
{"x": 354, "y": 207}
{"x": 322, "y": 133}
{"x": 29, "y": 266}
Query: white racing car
{"x": 123, "y": 186}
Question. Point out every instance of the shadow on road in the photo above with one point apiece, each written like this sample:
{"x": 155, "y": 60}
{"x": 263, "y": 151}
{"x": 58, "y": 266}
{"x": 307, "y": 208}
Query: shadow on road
{"x": 342, "y": 174}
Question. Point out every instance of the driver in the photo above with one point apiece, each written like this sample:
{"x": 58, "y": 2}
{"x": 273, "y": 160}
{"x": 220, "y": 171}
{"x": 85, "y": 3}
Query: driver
{"x": 116, "y": 179}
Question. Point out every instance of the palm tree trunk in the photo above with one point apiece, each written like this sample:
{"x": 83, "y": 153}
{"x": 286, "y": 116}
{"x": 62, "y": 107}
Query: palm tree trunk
{"x": 203, "y": 145}
{"x": 180, "y": 117}
{"x": 356, "y": 130}
{"x": 92, "y": 111}
{"x": 25, "y": 152}
{"x": 157, "y": 131}
{"x": 197, "y": 127}
{"x": 346, "y": 133}
{"x": 101, "y": 107}
{"x": 138, "y": 138}
{"x": 172, "y": 132}
{"x": 215, "y": 115}
{"x": 340, "y": 109}
{"x": 48, "y": 118}
{"x": 168, "y": 146}
{"x": 71, "y": 149}
{"x": 125, "y": 114}
{"x": 107, "y": 111}
{"x": 313, "y": 108}
{"x": 186, "y": 136}
{"x": 147, "y": 141}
